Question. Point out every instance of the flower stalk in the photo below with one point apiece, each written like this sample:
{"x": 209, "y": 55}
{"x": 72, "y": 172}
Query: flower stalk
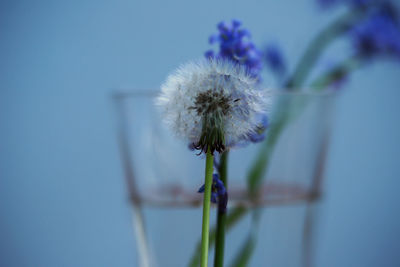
{"x": 206, "y": 208}
{"x": 338, "y": 73}
{"x": 221, "y": 216}
{"x": 213, "y": 104}
{"x": 318, "y": 46}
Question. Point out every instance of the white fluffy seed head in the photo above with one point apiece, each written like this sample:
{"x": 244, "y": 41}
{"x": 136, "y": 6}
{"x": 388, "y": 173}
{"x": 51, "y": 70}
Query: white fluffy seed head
{"x": 216, "y": 92}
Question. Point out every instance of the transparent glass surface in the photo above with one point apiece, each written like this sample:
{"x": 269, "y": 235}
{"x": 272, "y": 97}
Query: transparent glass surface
{"x": 163, "y": 176}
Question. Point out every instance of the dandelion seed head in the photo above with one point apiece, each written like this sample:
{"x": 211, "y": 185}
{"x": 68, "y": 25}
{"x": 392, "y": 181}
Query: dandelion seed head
{"x": 212, "y": 103}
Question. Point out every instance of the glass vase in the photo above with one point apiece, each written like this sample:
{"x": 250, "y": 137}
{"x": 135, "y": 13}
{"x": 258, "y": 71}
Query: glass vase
{"x": 163, "y": 175}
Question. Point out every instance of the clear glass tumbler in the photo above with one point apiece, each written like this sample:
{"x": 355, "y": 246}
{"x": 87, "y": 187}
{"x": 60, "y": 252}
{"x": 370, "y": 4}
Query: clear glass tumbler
{"x": 163, "y": 176}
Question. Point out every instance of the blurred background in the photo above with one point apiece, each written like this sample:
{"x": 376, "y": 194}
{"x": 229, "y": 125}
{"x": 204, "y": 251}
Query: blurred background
{"x": 63, "y": 200}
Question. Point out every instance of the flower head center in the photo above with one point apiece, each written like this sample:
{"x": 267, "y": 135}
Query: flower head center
{"x": 212, "y": 102}
{"x": 212, "y": 106}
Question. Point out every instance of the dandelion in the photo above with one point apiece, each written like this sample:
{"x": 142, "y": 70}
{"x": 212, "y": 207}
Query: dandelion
{"x": 212, "y": 104}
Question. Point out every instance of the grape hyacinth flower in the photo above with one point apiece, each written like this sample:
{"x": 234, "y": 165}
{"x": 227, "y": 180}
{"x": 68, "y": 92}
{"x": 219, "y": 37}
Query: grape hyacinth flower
{"x": 234, "y": 44}
{"x": 274, "y": 58}
{"x": 218, "y": 192}
{"x": 377, "y": 35}
{"x": 212, "y": 103}
{"x": 259, "y": 134}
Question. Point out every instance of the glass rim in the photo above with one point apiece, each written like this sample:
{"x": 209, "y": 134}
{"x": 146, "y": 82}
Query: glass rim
{"x": 131, "y": 93}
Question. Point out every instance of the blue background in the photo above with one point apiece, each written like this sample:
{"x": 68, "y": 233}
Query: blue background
{"x": 62, "y": 196}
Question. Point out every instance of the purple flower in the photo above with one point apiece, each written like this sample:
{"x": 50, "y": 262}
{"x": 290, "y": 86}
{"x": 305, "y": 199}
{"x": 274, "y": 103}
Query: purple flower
{"x": 360, "y": 3}
{"x": 259, "y": 134}
{"x": 218, "y": 192}
{"x": 274, "y": 58}
{"x": 379, "y": 34}
{"x": 234, "y": 44}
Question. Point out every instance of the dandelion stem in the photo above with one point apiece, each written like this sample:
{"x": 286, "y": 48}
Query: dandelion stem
{"x": 221, "y": 216}
{"x": 206, "y": 208}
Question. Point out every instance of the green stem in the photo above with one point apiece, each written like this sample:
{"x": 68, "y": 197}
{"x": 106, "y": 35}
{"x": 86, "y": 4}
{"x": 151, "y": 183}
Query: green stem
{"x": 234, "y": 215}
{"x": 338, "y": 72}
{"x": 246, "y": 251}
{"x": 221, "y": 216}
{"x": 206, "y": 209}
{"x": 318, "y": 45}
{"x": 302, "y": 70}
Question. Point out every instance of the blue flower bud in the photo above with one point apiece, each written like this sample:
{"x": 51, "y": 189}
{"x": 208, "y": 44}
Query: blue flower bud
{"x": 219, "y": 194}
